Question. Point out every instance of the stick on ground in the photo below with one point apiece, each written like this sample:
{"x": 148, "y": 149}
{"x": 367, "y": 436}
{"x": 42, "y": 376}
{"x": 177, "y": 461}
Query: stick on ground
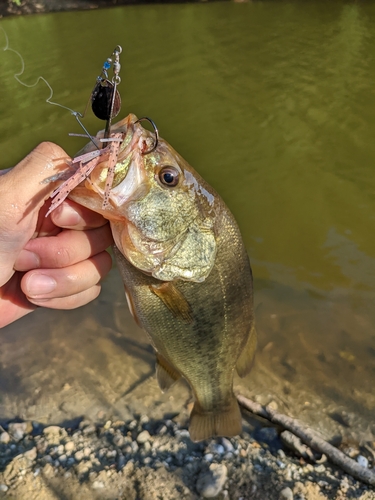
{"x": 311, "y": 438}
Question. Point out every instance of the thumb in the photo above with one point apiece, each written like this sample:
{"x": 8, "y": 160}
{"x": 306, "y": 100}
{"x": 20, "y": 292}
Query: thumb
{"x": 22, "y": 195}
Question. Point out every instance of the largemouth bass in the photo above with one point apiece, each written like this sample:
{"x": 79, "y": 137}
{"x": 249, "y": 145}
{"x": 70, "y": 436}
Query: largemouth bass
{"x": 187, "y": 276}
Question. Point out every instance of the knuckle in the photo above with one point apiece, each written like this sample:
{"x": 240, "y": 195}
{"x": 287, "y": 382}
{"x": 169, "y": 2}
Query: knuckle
{"x": 63, "y": 256}
{"x": 49, "y": 149}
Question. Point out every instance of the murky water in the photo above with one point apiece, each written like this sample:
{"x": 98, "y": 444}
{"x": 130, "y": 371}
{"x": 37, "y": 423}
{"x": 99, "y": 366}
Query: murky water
{"x": 274, "y": 104}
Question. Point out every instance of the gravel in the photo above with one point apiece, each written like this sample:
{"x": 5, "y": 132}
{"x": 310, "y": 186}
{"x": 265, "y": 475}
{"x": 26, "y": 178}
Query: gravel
{"x": 210, "y": 483}
{"x": 286, "y": 494}
{"x": 144, "y": 458}
{"x": 4, "y": 438}
{"x": 18, "y": 430}
{"x": 143, "y": 437}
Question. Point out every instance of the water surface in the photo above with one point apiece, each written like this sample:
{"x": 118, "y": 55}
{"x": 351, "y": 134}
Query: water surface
{"x": 274, "y": 104}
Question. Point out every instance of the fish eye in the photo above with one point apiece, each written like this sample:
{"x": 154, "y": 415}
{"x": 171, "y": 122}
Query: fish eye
{"x": 169, "y": 176}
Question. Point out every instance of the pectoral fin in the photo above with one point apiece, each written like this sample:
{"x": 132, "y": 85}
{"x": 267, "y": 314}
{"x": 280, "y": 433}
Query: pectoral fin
{"x": 166, "y": 374}
{"x": 131, "y": 306}
{"x": 174, "y": 300}
{"x": 246, "y": 359}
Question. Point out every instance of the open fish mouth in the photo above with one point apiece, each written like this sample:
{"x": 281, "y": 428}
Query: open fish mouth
{"x": 128, "y": 178}
{"x": 104, "y": 170}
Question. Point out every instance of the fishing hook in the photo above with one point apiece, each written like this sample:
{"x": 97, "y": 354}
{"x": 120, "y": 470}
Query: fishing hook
{"x": 156, "y": 133}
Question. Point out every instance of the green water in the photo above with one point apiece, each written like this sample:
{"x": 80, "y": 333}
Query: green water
{"x": 274, "y": 104}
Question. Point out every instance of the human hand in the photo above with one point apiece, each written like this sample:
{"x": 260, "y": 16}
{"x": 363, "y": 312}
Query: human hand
{"x": 54, "y": 261}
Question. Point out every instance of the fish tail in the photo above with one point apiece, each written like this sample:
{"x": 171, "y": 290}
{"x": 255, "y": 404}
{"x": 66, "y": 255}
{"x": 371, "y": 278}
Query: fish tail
{"x": 207, "y": 424}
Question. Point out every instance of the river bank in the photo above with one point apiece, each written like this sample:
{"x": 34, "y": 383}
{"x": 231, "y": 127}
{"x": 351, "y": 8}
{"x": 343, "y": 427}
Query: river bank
{"x": 25, "y": 7}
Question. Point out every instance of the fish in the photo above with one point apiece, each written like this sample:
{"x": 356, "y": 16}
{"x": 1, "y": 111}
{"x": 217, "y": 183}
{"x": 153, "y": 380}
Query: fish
{"x": 186, "y": 272}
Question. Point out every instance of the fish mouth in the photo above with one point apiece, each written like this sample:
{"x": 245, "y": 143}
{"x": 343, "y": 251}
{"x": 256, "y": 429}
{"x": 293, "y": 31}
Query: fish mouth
{"x": 136, "y": 135}
{"x": 129, "y": 176}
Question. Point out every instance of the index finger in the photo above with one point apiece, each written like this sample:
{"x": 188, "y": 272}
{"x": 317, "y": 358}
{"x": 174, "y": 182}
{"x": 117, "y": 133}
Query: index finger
{"x": 65, "y": 249}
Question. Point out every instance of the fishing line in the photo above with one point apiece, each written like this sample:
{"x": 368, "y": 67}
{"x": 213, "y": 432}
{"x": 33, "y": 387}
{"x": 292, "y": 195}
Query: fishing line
{"x": 16, "y": 76}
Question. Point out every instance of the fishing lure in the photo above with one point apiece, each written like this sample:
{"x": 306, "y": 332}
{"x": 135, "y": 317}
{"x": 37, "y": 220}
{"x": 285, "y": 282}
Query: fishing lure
{"x": 83, "y": 166}
{"x": 105, "y": 102}
{"x": 105, "y": 98}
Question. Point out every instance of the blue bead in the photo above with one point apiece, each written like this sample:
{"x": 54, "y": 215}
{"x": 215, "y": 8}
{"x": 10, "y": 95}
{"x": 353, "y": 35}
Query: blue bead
{"x": 106, "y": 65}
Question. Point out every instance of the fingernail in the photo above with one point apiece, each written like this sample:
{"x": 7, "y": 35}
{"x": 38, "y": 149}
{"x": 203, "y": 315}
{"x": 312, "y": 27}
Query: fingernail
{"x": 27, "y": 260}
{"x": 65, "y": 215}
{"x": 40, "y": 284}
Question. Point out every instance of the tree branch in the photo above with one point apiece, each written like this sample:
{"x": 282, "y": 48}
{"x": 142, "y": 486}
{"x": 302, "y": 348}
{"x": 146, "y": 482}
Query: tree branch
{"x": 311, "y": 438}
